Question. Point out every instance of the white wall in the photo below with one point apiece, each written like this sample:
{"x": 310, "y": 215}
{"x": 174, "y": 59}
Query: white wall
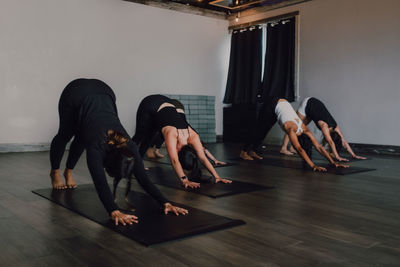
{"x": 136, "y": 49}
{"x": 350, "y": 59}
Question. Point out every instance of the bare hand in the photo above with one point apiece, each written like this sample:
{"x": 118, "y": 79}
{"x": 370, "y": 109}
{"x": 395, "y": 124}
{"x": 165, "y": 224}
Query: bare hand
{"x": 222, "y": 180}
{"x": 119, "y": 217}
{"x": 186, "y": 183}
{"x": 359, "y": 157}
{"x": 168, "y": 207}
{"x": 319, "y": 169}
{"x": 217, "y": 162}
{"x": 341, "y": 159}
{"x": 340, "y": 165}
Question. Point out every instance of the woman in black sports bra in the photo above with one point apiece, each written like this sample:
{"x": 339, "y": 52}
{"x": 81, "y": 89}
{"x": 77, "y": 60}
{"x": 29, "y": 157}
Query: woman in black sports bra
{"x": 157, "y": 113}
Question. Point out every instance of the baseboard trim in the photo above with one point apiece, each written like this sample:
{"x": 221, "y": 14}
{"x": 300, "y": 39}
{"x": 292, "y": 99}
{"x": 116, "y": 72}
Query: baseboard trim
{"x": 384, "y": 150}
{"x": 17, "y": 147}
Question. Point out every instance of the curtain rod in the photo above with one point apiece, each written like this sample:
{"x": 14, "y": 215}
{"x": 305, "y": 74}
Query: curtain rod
{"x": 262, "y": 21}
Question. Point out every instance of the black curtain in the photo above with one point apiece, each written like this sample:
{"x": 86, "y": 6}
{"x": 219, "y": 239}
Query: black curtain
{"x": 279, "y": 60}
{"x": 244, "y": 76}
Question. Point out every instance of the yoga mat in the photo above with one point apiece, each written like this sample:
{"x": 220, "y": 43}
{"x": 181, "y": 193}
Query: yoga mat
{"x": 350, "y": 158}
{"x": 315, "y": 155}
{"x": 166, "y": 161}
{"x": 167, "y": 177}
{"x": 154, "y": 227}
{"x": 298, "y": 164}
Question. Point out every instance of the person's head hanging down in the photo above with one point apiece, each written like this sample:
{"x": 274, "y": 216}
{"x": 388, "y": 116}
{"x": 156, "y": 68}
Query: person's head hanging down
{"x": 337, "y": 140}
{"x": 192, "y": 165}
{"x": 306, "y": 145}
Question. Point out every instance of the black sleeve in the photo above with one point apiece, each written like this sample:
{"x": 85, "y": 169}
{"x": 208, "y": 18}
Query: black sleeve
{"x": 95, "y": 159}
{"x": 141, "y": 176}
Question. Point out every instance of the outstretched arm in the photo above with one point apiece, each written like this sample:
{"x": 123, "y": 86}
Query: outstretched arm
{"x": 198, "y": 147}
{"x": 322, "y": 150}
{"x": 346, "y": 145}
{"x": 148, "y": 186}
{"x": 211, "y": 157}
{"x": 142, "y": 178}
{"x": 328, "y": 138}
{"x": 95, "y": 159}
{"x": 295, "y": 142}
{"x": 170, "y": 144}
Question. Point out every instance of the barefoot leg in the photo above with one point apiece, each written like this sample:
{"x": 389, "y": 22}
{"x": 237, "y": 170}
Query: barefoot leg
{"x": 56, "y": 180}
{"x": 244, "y": 155}
{"x": 69, "y": 180}
{"x": 286, "y": 152}
{"x": 158, "y": 154}
{"x": 255, "y": 155}
{"x": 291, "y": 149}
{"x": 150, "y": 153}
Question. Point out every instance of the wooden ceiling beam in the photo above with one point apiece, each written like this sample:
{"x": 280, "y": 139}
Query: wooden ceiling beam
{"x": 182, "y": 8}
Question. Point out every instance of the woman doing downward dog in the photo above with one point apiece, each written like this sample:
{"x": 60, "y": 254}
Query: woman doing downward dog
{"x": 312, "y": 109}
{"x": 88, "y": 113}
{"x": 278, "y": 109}
{"x": 157, "y": 113}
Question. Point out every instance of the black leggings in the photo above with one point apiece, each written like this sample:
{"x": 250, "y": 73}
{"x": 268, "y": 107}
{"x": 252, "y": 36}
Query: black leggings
{"x": 146, "y": 125}
{"x": 265, "y": 121}
{"x": 68, "y": 109}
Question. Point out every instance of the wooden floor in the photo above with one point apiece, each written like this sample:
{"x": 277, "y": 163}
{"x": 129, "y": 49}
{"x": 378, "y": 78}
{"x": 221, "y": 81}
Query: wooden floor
{"x": 310, "y": 219}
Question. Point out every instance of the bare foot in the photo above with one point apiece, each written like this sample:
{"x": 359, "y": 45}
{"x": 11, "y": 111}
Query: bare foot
{"x": 56, "y": 180}
{"x": 245, "y": 156}
{"x": 150, "y": 153}
{"x": 286, "y": 152}
{"x": 291, "y": 149}
{"x": 255, "y": 155}
{"x": 69, "y": 180}
{"x": 158, "y": 154}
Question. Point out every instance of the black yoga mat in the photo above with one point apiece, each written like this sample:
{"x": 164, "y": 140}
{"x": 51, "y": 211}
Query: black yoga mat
{"x": 315, "y": 155}
{"x": 154, "y": 227}
{"x": 165, "y": 160}
{"x": 298, "y": 164}
{"x": 350, "y": 158}
{"x": 167, "y": 177}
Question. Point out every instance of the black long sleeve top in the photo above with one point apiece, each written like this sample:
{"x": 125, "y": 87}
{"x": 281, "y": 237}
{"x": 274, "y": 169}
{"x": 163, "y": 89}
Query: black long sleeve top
{"x": 97, "y": 115}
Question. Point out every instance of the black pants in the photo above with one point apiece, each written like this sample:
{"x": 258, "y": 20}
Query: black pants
{"x": 146, "y": 134}
{"x": 265, "y": 121}
{"x": 68, "y": 109}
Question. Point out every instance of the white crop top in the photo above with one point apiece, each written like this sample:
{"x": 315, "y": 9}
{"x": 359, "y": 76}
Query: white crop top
{"x": 302, "y": 107}
{"x": 285, "y": 112}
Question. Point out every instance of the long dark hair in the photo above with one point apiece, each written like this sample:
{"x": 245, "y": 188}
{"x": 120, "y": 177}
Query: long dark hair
{"x": 118, "y": 165}
{"x": 190, "y": 162}
{"x": 306, "y": 144}
{"x": 337, "y": 139}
